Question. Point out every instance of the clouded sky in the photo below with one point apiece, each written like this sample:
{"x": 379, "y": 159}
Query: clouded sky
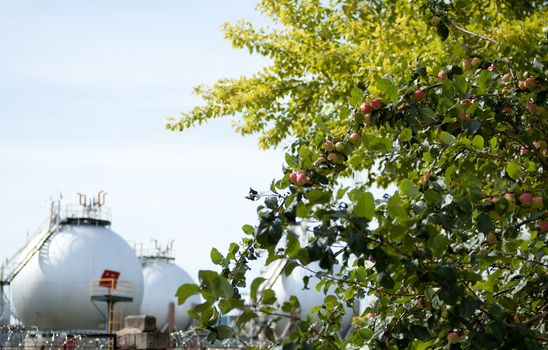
{"x": 85, "y": 90}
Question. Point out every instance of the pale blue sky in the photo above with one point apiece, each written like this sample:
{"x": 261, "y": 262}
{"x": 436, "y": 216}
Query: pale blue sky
{"x": 85, "y": 89}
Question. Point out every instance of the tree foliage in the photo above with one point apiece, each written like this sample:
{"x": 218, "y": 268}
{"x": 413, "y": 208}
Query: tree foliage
{"x": 441, "y": 103}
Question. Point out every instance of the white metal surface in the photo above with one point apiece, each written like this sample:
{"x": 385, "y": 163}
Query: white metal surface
{"x": 4, "y": 308}
{"x": 286, "y": 286}
{"x": 53, "y": 290}
{"x": 162, "y": 278}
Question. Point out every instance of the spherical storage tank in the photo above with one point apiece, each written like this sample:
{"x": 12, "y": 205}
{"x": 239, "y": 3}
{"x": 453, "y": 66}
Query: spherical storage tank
{"x": 53, "y": 289}
{"x": 162, "y": 279}
{"x": 292, "y": 285}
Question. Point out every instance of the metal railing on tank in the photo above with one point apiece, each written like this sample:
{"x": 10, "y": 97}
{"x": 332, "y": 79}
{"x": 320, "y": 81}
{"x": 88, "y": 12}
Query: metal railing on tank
{"x": 79, "y": 212}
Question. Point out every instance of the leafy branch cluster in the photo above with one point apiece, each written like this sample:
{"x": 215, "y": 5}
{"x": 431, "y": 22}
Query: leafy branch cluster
{"x": 454, "y": 254}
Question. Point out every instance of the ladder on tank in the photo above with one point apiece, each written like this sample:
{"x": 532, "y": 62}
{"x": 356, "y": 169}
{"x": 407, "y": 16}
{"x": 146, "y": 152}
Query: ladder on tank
{"x": 38, "y": 241}
{"x": 13, "y": 266}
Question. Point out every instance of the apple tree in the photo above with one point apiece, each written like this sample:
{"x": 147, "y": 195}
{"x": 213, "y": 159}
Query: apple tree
{"x": 439, "y": 104}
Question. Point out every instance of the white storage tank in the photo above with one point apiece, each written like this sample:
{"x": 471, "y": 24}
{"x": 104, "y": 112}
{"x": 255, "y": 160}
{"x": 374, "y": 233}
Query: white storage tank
{"x": 286, "y": 286}
{"x": 4, "y": 309}
{"x": 162, "y": 279}
{"x": 53, "y": 289}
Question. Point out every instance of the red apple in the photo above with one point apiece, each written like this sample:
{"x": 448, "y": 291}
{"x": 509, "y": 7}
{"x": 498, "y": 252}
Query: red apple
{"x": 511, "y": 198}
{"x": 422, "y": 303}
{"x": 335, "y": 157}
{"x": 403, "y": 107}
{"x": 320, "y": 160}
{"x": 532, "y": 106}
{"x": 526, "y": 199}
{"x": 420, "y": 94}
{"x": 442, "y": 75}
{"x": 537, "y": 202}
{"x": 491, "y": 238}
{"x": 453, "y": 337}
{"x": 491, "y": 68}
{"x": 543, "y": 227}
{"x": 355, "y": 139}
{"x": 466, "y": 64}
{"x": 521, "y": 85}
{"x": 435, "y": 20}
{"x": 524, "y": 150}
{"x": 341, "y": 147}
{"x": 293, "y": 178}
{"x": 475, "y": 62}
{"x": 328, "y": 145}
{"x": 302, "y": 179}
{"x": 366, "y": 108}
{"x": 376, "y": 103}
{"x": 507, "y": 110}
{"x": 506, "y": 77}
{"x": 529, "y": 82}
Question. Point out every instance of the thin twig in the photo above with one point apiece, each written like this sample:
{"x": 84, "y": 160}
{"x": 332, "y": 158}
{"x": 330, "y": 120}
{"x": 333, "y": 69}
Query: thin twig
{"x": 455, "y": 25}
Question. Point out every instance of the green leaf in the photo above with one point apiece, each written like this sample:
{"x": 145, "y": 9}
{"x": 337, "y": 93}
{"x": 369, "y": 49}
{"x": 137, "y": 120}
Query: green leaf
{"x": 478, "y": 142}
{"x": 433, "y": 198}
{"x": 485, "y": 225}
{"x": 364, "y": 204}
{"x": 449, "y": 173}
{"x": 245, "y": 317}
{"x": 484, "y": 78}
{"x": 460, "y": 83}
{"x": 216, "y": 257}
{"x": 356, "y": 96}
{"x": 514, "y": 171}
{"x": 255, "y": 286}
{"x": 408, "y": 188}
{"x": 293, "y": 245}
{"x": 393, "y": 93}
{"x": 468, "y": 307}
{"x": 385, "y": 281}
{"x": 292, "y": 161}
{"x": 420, "y": 345}
{"x": 268, "y": 296}
{"x": 185, "y": 291}
{"x": 395, "y": 208}
{"x": 318, "y": 196}
{"x": 226, "y": 305}
{"x": 447, "y": 138}
{"x": 214, "y": 286}
{"x": 428, "y": 114}
{"x": 248, "y": 229}
{"x": 438, "y": 243}
{"x": 406, "y": 135}
{"x": 384, "y": 84}
{"x": 224, "y": 332}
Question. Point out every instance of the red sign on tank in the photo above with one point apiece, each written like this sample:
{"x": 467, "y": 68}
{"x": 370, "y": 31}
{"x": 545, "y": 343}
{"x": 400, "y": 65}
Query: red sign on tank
{"x": 109, "y": 279}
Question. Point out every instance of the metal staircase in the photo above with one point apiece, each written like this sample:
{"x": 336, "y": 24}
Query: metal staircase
{"x": 13, "y": 266}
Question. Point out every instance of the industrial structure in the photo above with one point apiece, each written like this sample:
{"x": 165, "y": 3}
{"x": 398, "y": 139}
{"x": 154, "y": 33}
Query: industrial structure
{"x": 162, "y": 278}
{"x": 75, "y": 273}
{"x": 75, "y": 276}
